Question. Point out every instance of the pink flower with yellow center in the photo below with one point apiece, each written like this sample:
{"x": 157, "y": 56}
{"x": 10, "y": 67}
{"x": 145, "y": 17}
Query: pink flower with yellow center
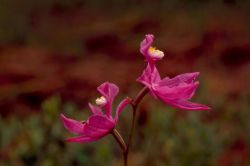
{"x": 173, "y": 91}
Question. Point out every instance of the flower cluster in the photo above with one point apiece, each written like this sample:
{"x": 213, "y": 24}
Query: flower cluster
{"x": 175, "y": 92}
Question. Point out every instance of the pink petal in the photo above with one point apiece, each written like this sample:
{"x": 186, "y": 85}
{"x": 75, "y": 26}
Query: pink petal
{"x": 120, "y": 107}
{"x": 109, "y": 91}
{"x": 81, "y": 139}
{"x": 95, "y": 132}
{"x": 145, "y": 45}
{"x": 182, "y": 78}
{"x": 72, "y": 125}
{"x": 95, "y": 110}
{"x": 182, "y": 91}
{"x": 98, "y": 126}
{"x": 101, "y": 122}
{"x": 144, "y": 49}
{"x": 184, "y": 104}
{"x": 149, "y": 77}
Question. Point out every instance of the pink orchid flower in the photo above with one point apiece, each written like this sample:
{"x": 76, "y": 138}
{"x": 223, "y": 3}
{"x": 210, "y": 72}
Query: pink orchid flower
{"x": 99, "y": 123}
{"x": 148, "y": 51}
{"x": 173, "y": 91}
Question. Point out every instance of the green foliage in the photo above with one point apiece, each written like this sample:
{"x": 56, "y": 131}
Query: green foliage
{"x": 169, "y": 137}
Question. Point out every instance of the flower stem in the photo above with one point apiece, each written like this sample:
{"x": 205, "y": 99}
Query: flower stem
{"x": 119, "y": 139}
{"x": 134, "y": 103}
{"x": 125, "y": 147}
{"x": 121, "y": 143}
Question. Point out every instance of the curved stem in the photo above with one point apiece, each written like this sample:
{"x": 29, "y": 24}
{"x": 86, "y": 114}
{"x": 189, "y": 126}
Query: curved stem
{"x": 119, "y": 140}
{"x": 139, "y": 97}
{"x": 134, "y": 103}
{"x": 125, "y": 148}
{"x": 121, "y": 143}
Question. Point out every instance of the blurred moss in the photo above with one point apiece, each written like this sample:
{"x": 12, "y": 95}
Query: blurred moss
{"x": 51, "y": 107}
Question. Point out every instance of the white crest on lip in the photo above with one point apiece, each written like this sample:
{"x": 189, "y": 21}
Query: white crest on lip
{"x": 156, "y": 54}
{"x": 101, "y": 101}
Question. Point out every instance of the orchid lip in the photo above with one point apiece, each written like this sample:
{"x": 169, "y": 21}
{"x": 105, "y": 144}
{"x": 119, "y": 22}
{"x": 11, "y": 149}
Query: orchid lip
{"x": 101, "y": 101}
{"x": 155, "y": 53}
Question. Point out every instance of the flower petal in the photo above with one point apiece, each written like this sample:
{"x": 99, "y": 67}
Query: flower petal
{"x": 109, "y": 91}
{"x": 72, "y": 125}
{"x": 182, "y": 78}
{"x": 145, "y": 45}
{"x": 101, "y": 122}
{"x": 81, "y": 139}
{"x": 184, "y": 104}
{"x": 95, "y": 110}
{"x": 149, "y": 77}
{"x": 98, "y": 126}
{"x": 182, "y": 91}
{"x": 121, "y": 106}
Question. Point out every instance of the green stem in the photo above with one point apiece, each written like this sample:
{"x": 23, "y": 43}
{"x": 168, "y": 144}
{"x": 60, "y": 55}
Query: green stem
{"x": 134, "y": 103}
{"x": 121, "y": 143}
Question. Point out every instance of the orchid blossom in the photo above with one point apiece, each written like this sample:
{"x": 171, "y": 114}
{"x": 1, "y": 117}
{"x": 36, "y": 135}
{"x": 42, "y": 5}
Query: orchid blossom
{"x": 99, "y": 123}
{"x": 176, "y": 91}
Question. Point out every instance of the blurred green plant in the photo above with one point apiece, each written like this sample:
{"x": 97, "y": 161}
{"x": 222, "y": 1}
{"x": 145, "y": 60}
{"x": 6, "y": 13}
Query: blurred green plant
{"x": 168, "y": 137}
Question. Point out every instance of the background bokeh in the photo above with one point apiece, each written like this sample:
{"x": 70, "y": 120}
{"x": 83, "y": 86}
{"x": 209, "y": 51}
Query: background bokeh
{"x": 54, "y": 53}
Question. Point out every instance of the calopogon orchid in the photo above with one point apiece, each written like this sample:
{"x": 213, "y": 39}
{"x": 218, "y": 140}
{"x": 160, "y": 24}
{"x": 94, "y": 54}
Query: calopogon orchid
{"x": 99, "y": 123}
{"x": 176, "y": 91}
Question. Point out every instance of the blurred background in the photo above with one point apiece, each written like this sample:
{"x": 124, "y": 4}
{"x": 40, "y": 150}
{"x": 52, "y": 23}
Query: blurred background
{"x": 54, "y": 53}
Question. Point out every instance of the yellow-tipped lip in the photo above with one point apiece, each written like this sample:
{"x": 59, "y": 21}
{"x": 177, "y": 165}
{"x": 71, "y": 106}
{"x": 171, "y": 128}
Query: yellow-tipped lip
{"x": 155, "y": 53}
{"x": 101, "y": 101}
